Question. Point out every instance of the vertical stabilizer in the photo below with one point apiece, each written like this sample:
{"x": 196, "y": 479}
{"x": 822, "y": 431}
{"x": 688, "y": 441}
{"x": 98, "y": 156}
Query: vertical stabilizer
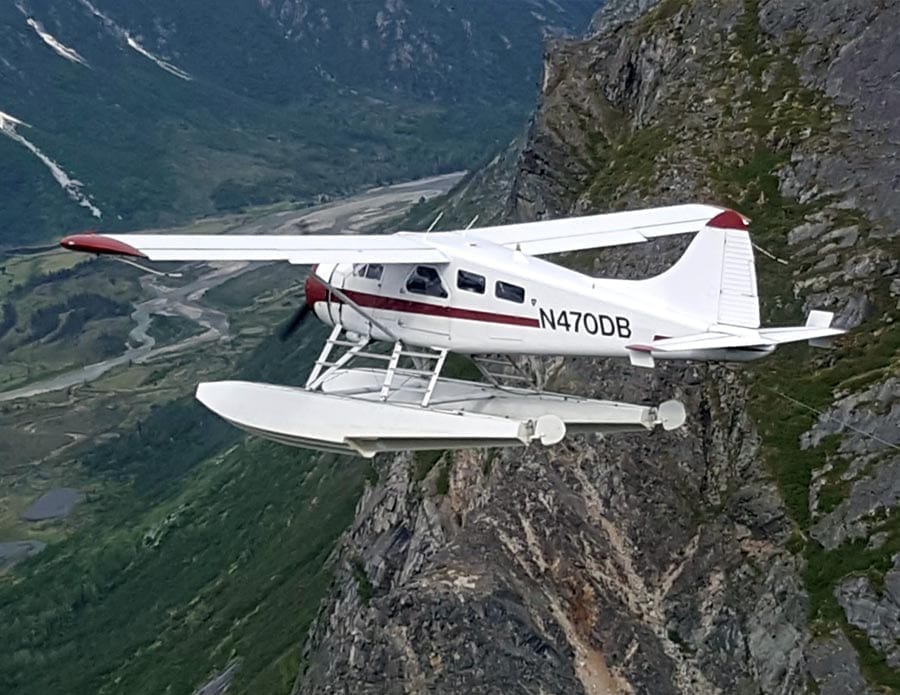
{"x": 715, "y": 278}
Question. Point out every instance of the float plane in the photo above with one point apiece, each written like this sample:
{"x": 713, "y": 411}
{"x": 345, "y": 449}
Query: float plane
{"x": 400, "y": 303}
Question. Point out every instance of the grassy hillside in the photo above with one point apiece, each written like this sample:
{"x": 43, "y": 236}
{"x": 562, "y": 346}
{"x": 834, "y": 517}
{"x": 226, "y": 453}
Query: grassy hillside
{"x": 201, "y": 548}
{"x": 194, "y": 549}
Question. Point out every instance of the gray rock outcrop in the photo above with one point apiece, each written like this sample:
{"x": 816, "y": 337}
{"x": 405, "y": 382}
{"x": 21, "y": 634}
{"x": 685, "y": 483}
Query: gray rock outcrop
{"x": 875, "y": 611}
{"x": 675, "y": 562}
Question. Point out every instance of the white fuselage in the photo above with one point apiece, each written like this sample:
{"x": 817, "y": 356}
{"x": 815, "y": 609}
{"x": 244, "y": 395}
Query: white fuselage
{"x": 492, "y": 299}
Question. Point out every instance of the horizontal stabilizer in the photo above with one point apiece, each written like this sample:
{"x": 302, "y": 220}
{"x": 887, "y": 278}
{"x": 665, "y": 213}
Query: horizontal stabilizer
{"x": 776, "y": 336}
{"x": 820, "y": 319}
{"x": 708, "y": 341}
{"x": 817, "y": 329}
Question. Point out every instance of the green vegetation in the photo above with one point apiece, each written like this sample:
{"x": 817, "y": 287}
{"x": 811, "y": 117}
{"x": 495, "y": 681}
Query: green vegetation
{"x": 235, "y": 564}
{"x": 280, "y": 108}
{"x": 663, "y": 12}
{"x": 631, "y": 164}
{"x": 17, "y": 268}
{"x": 767, "y": 110}
{"x": 255, "y": 285}
{"x": 172, "y": 329}
{"x": 424, "y": 461}
{"x": 245, "y": 165}
{"x": 442, "y": 480}
{"x": 68, "y": 318}
{"x": 54, "y": 317}
{"x": 363, "y": 585}
{"x": 461, "y": 367}
{"x": 825, "y": 569}
{"x": 188, "y": 557}
{"x": 777, "y": 386}
{"x": 781, "y": 424}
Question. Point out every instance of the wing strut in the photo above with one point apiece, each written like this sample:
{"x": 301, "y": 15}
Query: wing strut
{"x": 356, "y": 307}
{"x": 324, "y": 367}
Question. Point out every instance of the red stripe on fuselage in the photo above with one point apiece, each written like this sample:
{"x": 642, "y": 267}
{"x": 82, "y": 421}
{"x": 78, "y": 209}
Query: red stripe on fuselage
{"x": 406, "y": 306}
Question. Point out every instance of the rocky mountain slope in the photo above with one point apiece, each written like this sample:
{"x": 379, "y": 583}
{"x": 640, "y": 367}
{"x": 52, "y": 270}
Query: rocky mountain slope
{"x": 757, "y": 550}
{"x": 124, "y": 114}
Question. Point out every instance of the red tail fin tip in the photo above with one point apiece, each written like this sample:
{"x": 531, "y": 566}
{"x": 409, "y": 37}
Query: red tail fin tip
{"x": 728, "y": 219}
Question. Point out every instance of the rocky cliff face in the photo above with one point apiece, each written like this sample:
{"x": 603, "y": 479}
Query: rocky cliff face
{"x": 756, "y": 549}
{"x": 419, "y": 47}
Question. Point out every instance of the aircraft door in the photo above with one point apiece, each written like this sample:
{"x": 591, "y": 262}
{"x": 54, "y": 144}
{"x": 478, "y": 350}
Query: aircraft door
{"x": 426, "y": 301}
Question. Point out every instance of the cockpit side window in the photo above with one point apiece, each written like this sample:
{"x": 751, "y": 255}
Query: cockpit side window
{"x": 470, "y": 282}
{"x": 370, "y": 271}
{"x": 425, "y": 280}
{"x": 509, "y": 292}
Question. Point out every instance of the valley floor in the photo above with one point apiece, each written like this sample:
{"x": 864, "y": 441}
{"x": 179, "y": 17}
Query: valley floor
{"x": 147, "y": 470}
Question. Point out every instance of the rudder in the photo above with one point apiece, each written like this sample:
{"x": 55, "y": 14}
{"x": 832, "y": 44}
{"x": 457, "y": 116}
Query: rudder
{"x": 715, "y": 278}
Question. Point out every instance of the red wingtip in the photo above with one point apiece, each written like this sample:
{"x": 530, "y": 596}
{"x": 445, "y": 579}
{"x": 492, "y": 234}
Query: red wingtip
{"x": 91, "y": 242}
{"x": 728, "y": 219}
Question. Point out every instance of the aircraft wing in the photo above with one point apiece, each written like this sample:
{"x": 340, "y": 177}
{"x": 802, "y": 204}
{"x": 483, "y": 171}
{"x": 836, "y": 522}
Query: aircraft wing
{"x": 534, "y": 238}
{"x": 611, "y": 229}
{"x": 299, "y": 249}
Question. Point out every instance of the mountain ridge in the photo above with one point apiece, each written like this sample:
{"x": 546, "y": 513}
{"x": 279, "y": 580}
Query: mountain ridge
{"x": 739, "y": 554}
{"x": 163, "y": 115}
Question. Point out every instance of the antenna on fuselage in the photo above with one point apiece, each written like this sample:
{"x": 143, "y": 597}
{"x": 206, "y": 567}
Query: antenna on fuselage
{"x": 436, "y": 220}
{"x": 519, "y": 255}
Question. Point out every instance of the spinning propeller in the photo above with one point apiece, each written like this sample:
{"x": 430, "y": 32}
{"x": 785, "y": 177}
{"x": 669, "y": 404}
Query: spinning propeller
{"x": 318, "y": 289}
{"x": 314, "y": 290}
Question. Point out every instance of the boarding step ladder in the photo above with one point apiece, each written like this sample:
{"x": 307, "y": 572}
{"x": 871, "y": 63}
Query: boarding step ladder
{"x": 343, "y": 351}
{"x": 423, "y": 363}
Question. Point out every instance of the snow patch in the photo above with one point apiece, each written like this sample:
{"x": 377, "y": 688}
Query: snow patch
{"x": 72, "y": 187}
{"x": 168, "y": 67}
{"x": 124, "y": 35}
{"x": 66, "y": 52}
{"x": 7, "y": 121}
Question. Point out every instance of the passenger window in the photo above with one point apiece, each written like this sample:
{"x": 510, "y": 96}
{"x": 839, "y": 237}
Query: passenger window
{"x": 509, "y": 292}
{"x": 370, "y": 271}
{"x": 470, "y": 282}
{"x": 425, "y": 280}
